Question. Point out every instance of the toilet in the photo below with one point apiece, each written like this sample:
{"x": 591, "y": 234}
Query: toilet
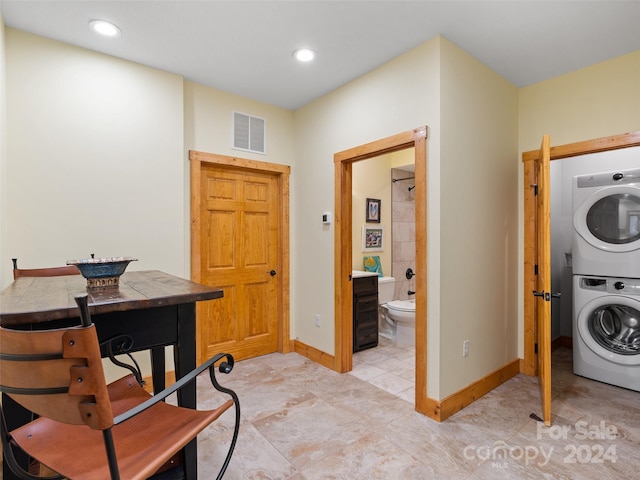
{"x": 397, "y": 317}
{"x": 386, "y": 291}
{"x": 402, "y": 313}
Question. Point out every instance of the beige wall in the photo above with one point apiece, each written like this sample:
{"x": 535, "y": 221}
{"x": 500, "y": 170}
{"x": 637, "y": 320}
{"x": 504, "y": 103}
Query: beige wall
{"x": 104, "y": 144}
{"x": 472, "y": 176}
{"x": 4, "y": 204}
{"x": 479, "y": 227}
{"x": 593, "y": 102}
{"x": 403, "y": 158}
{"x": 208, "y": 128}
{"x": 94, "y": 156}
{"x": 93, "y": 161}
{"x": 371, "y": 179}
{"x": 208, "y": 124}
{"x": 146, "y": 134}
{"x": 398, "y": 96}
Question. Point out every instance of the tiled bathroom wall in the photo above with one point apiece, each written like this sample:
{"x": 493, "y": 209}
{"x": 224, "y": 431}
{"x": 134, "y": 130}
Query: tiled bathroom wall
{"x": 403, "y": 233}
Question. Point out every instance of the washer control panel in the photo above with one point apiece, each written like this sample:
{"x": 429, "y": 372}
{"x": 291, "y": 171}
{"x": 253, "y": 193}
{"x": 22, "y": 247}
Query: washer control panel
{"x": 627, "y": 286}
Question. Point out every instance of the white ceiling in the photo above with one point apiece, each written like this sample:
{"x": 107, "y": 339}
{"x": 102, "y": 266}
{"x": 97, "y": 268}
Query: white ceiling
{"x": 244, "y": 47}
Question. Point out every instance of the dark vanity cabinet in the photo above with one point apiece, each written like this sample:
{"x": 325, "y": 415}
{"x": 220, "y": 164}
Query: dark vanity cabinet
{"x": 365, "y": 312}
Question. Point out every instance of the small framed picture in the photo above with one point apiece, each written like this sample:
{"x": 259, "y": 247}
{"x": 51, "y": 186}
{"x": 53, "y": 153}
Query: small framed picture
{"x": 372, "y": 239}
{"x": 373, "y": 210}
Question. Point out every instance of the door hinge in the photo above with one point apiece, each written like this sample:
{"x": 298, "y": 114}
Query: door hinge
{"x": 535, "y": 189}
{"x": 535, "y": 269}
{"x": 535, "y": 348}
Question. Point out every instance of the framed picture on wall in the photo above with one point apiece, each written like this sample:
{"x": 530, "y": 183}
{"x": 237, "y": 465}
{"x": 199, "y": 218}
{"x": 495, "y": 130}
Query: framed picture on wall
{"x": 373, "y": 210}
{"x": 372, "y": 239}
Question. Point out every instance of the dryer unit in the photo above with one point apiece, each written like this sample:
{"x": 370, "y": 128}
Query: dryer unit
{"x": 606, "y": 222}
{"x": 606, "y": 330}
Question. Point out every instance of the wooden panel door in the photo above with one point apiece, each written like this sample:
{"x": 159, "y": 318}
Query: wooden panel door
{"x": 543, "y": 280}
{"x": 239, "y": 242}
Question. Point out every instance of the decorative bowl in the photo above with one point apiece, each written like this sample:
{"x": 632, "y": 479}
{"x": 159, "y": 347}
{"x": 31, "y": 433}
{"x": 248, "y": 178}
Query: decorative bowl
{"x": 102, "y": 272}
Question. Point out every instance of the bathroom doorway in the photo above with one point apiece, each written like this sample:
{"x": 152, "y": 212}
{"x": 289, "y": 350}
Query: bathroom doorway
{"x": 343, "y": 256}
{"x": 387, "y": 181}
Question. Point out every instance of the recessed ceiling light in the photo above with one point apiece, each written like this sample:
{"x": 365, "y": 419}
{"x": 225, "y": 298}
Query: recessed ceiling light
{"x": 304, "y": 55}
{"x": 105, "y": 28}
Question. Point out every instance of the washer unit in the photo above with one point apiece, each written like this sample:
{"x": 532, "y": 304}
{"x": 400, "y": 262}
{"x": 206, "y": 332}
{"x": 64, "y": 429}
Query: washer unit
{"x": 606, "y": 222}
{"x": 606, "y": 329}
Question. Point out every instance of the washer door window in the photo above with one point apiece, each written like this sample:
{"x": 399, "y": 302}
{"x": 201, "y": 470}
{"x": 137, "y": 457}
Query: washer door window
{"x": 610, "y": 219}
{"x": 616, "y": 328}
{"x": 610, "y": 326}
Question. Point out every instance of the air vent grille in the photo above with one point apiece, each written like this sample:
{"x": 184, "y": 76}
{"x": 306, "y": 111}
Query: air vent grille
{"x": 249, "y": 132}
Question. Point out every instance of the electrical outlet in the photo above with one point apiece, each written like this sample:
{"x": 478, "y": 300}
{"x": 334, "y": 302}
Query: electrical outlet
{"x": 317, "y": 321}
{"x": 465, "y": 348}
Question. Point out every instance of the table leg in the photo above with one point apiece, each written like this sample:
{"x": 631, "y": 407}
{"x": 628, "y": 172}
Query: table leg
{"x": 158, "y": 369}
{"x": 185, "y": 361}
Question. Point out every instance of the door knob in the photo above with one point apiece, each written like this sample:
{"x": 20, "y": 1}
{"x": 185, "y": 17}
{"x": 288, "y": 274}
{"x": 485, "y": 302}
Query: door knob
{"x": 273, "y": 273}
{"x": 546, "y": 295}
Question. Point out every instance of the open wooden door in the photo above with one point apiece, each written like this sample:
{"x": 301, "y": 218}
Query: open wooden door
{"x": 537, "y": 351}
{"x": 543, "y": 278}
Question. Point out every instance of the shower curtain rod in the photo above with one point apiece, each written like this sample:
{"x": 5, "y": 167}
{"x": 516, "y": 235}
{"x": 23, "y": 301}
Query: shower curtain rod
{"x": 394, "y": 180}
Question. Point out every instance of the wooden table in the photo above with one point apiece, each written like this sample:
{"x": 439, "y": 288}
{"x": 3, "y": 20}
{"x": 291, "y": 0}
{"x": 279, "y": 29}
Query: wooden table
{"x": 154, "y": 308}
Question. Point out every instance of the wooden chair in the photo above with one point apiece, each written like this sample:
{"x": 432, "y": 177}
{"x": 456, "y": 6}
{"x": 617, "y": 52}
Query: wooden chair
{"x": 43, "y": 272}
{"x": 87, "y": 429}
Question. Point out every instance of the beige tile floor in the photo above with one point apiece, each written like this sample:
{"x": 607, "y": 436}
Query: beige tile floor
{"x": 301, "y": 421}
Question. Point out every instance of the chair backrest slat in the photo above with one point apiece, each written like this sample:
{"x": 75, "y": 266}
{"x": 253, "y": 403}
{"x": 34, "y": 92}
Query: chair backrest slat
{"x": 43, "y": 272}
{"x": 34, "y": 365}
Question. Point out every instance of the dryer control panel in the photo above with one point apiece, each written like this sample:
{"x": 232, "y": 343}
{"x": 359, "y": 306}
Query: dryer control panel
{"x": 620, "y": 177}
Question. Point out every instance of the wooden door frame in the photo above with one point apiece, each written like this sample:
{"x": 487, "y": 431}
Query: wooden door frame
{"x": 530, "y": 159}
{"x": 281, "y": 173}
{"x": 343, "y": 163}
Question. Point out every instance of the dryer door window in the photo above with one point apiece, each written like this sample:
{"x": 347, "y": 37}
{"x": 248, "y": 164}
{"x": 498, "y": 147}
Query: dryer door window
{"x": 615, "y": 219}
{"x": 616, "y": 328}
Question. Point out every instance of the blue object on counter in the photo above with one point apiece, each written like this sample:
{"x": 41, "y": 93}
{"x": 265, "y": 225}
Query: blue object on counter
{"x": 372, "y": 264}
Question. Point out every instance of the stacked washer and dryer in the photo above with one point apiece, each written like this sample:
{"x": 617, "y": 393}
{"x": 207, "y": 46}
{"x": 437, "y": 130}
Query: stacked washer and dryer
{"x": 606, "y": 277}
